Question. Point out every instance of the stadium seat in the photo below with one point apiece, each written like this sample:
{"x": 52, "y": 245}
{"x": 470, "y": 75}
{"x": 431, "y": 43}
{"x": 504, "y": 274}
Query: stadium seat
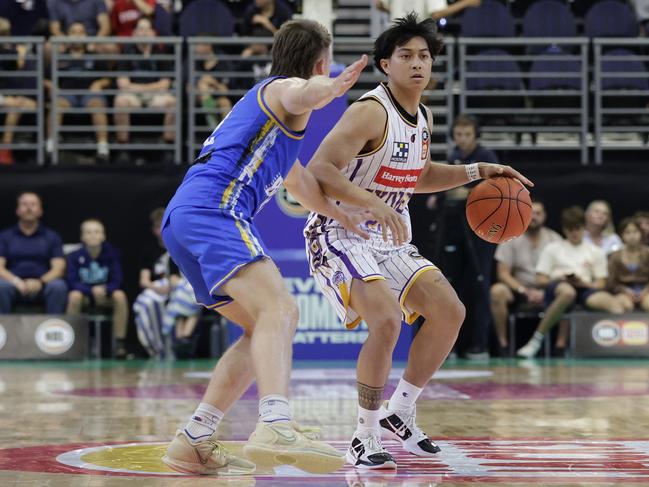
{"x": 626, "y": 65}
{"x": 610, "y": 18}
{"x": 490, "y": 19}
{"x": 514, "y": 82}
{"x": 555, "y": 66}
{"x": 162, "y": 21}
{"x": 206, "y": 16}
{"x": 549, "y": 18}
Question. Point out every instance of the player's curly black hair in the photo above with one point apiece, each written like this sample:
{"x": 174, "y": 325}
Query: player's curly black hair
{"x": 402, "y": 30}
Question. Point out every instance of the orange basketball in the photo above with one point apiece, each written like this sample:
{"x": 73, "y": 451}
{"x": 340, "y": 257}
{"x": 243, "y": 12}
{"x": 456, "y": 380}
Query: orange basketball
{"x": 499, "y": 209}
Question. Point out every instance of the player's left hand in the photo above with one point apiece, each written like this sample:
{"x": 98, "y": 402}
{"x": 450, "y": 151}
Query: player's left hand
{"x": 352, "y": 220}
{"x": 488, "y": 171}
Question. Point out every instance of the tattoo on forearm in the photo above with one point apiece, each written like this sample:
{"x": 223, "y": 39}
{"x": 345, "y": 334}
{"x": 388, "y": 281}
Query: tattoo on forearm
{"x": 369, "y": 397}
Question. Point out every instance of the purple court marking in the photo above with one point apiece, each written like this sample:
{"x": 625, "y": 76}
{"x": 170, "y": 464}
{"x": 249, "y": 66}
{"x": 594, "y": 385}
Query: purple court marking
{"x": 345, "y": 389}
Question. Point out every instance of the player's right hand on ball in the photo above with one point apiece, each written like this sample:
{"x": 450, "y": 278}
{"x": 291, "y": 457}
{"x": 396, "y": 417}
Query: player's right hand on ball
{"x": 388, "y": 218}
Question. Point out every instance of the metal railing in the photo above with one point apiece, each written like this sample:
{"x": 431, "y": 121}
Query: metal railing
{"x": 501, "y": 86}
{"x": 172, "y": 59}
{"x": 22, "y": 84}
{"x": 461, "y": 85}
{"x": 621, "y": 77}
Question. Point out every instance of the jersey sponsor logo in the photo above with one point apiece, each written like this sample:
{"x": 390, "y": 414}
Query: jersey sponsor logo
{"x": 415, "y": 255}
{"x": 397, "y": 178}
{"x": 424, "y": 144}
{"x": 400, "y": 151}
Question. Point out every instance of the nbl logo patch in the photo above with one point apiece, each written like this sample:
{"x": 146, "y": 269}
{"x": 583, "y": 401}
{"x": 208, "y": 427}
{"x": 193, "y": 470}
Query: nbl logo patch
{"x": 424, "y": 144}
{"x": 400, "y": 152}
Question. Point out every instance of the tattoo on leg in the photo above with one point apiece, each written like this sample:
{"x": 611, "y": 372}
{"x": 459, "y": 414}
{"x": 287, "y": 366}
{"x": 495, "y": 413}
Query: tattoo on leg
{"x": 369, "y": 397}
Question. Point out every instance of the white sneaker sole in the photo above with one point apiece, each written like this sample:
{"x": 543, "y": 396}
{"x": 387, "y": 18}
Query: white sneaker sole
{"x": 389, "y": 435}
{"x": 307, "y": 460}
{"x": 199, "y": 469}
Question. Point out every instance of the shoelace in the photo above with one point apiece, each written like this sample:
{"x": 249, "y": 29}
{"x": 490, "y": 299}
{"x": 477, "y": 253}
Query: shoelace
{"x": 220, "y": 452}
{"x": 410, "y": 417}
{"x": 374, "y": 445}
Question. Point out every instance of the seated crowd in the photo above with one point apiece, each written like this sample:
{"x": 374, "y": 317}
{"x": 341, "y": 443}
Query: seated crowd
{"x": 37, "y": 275}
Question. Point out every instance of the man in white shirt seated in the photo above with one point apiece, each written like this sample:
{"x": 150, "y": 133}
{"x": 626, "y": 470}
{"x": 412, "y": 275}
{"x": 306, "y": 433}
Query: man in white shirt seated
{"x": 516, "y": 269}
{"x": 574, "y": 272}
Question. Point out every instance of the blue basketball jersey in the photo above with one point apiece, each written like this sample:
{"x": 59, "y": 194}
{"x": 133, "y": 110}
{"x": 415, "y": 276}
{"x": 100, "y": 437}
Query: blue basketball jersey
{"x": 243, "y": 162}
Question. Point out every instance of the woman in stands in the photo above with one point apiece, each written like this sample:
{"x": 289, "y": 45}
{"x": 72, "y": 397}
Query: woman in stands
{"x": 628, "y": 268}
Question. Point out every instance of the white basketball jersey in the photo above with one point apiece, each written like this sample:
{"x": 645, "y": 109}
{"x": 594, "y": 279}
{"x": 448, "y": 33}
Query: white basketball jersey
{"x": 390, "y": 171}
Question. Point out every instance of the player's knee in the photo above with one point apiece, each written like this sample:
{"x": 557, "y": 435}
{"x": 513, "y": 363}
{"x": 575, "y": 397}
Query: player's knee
{"x": 457, "y": 312}
{"x": 286, "y": 312}
{"x": 386, "y": 328}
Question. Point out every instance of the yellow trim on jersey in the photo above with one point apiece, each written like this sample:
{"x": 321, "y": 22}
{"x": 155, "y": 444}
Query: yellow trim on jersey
{"x": 343, "y": 293}
{"x": 263, "y": 132}
{"x": 385, "y": 129}
{"x": 397, "y": 105}
{"x": 273, "y": 117}
{"x": 411, "y": 317}
{"x": 246, "y": 238}
{"x": 227, "y": 193}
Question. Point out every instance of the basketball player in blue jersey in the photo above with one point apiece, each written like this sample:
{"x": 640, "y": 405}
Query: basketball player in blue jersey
{"x": 375, "y": 158}
{"x": 209, "y": 233}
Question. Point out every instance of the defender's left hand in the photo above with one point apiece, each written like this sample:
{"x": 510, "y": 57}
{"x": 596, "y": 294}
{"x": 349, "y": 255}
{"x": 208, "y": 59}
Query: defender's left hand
{"x": 488, "y": 171}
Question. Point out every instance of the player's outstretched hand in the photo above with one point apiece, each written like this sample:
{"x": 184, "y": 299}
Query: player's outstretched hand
{"x": 488, "y": 171}
{"x": 352, "y": 221}
{"x": 388, "y": 218}
{"x": 345, "y": 80}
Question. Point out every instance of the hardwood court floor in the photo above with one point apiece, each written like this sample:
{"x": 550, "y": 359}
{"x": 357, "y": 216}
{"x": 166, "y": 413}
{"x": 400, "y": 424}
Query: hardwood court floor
{"x": 101, "y": 424}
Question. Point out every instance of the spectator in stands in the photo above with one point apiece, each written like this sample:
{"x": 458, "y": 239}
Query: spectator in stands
{"x": 96, "y": 100}
{"x": 437, "y": 9}
{"x": 125, "y": 14}
{"x": 628, "y": 268}
{"x": 181, "y": 317}
{"x": 471, "y": 263}
{"x": 159, "y": 276}
{"x": 573, "y": 271}
{"x": 31, "y": 260}
{"x": 137, "y": 92}
{"x": 262, "y": 19}
{"x": 27, "y": 17}
{"x": 16, "y": 61}
{"x": 516, "y": 262}
{"x": 642, "y": 217}
{"x": 599, "y": 227}
{"x": 93, "y": 14}
{"x": 94, "y": 277}
{"x": 208, "y": 82}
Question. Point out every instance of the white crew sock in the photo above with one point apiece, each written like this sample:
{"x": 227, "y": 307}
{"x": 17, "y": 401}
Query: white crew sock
{"x": 368, "y": 420}
{"x": 404, "y": 397}
{"x": 203, "y": 422}
{"x": 274, "y": 408}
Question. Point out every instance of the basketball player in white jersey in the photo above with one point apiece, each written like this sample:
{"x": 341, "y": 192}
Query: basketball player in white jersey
{"x": 376, "y": 157}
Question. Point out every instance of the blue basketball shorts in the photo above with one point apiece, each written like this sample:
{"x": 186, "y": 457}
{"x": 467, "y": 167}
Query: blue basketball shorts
{"x": 210, "y": 246}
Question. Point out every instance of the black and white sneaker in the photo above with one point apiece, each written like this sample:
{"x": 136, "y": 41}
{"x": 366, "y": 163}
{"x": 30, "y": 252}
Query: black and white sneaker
{"x": 366, "y": 452}
{"x": 401, "y": 426}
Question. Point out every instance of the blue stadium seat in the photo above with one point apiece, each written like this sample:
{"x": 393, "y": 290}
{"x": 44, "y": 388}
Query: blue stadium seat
{"x": 610, "y": 18}
{"x": 549, "y": 18}
{"x": 628, "y": 64}
{"x": 555, "y": 66}
{"x": 162, "y": 21}
{"x": 515, "y": 82}
{"x": 206, "y": 16}
{"x": 490, "y": 19}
